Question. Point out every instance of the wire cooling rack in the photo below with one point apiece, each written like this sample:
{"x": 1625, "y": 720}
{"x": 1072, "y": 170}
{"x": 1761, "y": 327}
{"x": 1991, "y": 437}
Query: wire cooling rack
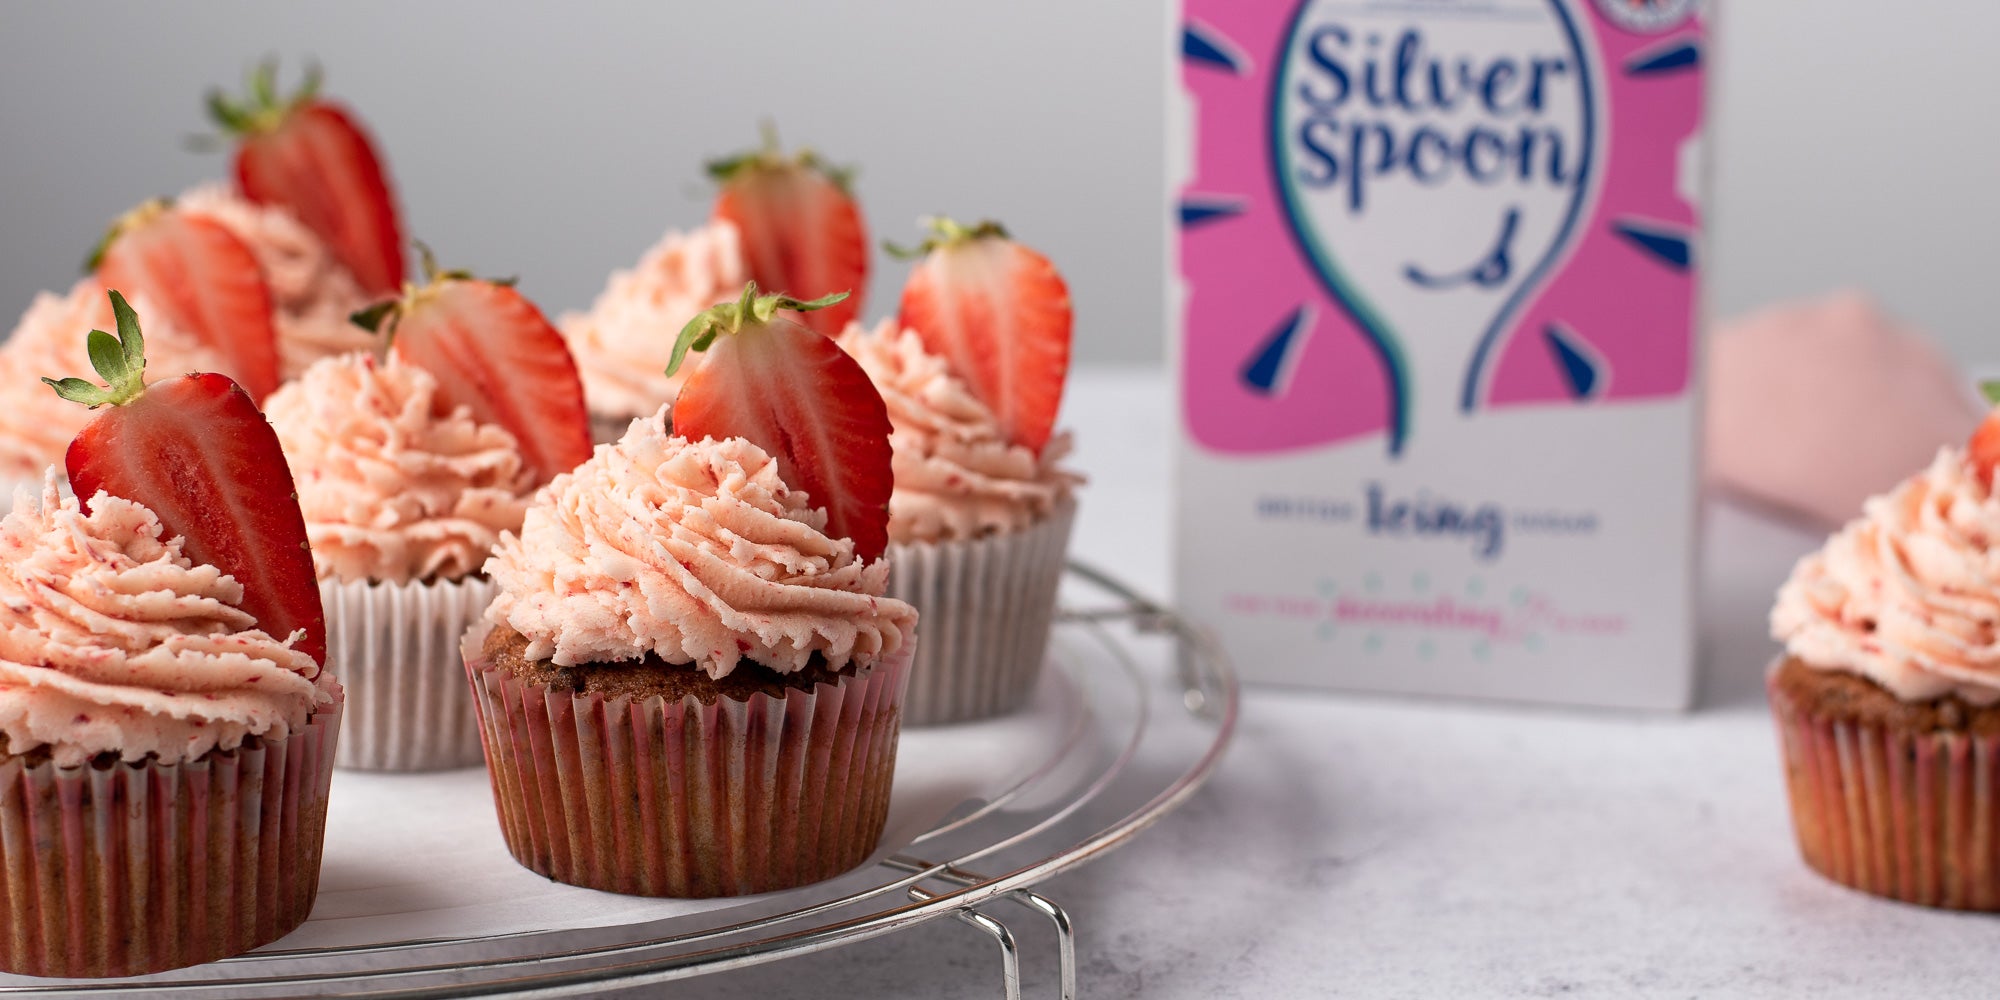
{"x": 1153, "y": 704}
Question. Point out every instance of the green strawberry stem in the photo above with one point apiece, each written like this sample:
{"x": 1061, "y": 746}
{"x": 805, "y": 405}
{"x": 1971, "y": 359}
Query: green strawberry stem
{"x": 1990, "y": 388}
{"x": 731, "y": 317}
{"x": 120, "y": 361}
{"x": 945, "y": 231}
{"x": 263, "y": 110}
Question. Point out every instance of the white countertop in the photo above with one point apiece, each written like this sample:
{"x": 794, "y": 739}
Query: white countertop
{"x": 1373, "y": 847}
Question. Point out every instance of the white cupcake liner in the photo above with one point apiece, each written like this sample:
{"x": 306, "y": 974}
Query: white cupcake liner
{"x": 138, "y": 868}
{"x": 985, "y": 607}
{"x": 395, "y": 647}
{"x": 685, "y": 799}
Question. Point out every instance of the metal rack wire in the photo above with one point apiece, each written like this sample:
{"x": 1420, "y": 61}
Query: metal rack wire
{"x": 1086, "y": 800}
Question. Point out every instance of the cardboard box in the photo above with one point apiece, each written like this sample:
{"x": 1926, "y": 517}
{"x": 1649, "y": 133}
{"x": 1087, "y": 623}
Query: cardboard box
{"x": 1437, "y": 361}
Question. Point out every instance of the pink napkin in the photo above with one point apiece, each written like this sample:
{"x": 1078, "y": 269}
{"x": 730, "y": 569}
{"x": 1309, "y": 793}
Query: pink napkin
{"x": 1815, "y": 406}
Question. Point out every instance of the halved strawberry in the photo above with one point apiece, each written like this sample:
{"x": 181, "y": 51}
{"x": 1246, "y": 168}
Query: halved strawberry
{"x": 197, "y": 452}
{"x": 1984, "y": 449}
{"x": 794, "y": 393}
{"x": 802, "y": 232}
{"x": 999, "y": 314}
{"x": 492, "y": 351}
{"x": 203, "y": 279}
{"x": 311, "y": 156}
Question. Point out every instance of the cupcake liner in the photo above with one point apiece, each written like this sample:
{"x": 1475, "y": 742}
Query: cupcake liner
{"x": 1905, "y": 815}
{"x": 986, "y": 606}
{"x": 395, "y": 647}
{"x": 137, "y": 868}
{"x": 651, "y": 798}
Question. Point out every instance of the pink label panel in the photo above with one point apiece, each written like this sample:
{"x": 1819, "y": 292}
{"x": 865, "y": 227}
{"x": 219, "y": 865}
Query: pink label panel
{"x": 1407, "y": 212}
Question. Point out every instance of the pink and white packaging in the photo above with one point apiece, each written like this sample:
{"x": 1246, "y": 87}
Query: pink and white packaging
{"x": 1437, "y": 361}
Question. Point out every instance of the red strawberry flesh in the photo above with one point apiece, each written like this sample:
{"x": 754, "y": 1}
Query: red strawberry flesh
{"x": 201, "y": 279}
{"x": 999, "y": 314}
{"x": 1984, "y": 449}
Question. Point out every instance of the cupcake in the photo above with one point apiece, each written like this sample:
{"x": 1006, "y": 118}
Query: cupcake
{"x": 409, "y": 468}
{"x": 622, "y": 345}
{"x": 166, "y": 727}
{"x": 690, "y": 683}
{"x": 403, "y": 500}
{"x": 1888, "y": 695}
{"x": 980, "y": 519}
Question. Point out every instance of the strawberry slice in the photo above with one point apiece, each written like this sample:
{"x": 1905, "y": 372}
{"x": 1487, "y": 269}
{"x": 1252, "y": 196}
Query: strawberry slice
{"x": 1984, "y": 449}
{"x": 493, "y": 352}
{"x": 999, "y": 314}
{"x": 198, "y": 453}
{"x": 794, "y": 393}
{"x": 203, "y": 279}
{"x": 801, "y": 229}
{"x": 309, "y": 155}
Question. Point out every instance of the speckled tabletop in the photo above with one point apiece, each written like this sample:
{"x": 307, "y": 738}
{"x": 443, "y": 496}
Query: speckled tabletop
{"x": 1371, "y": 847}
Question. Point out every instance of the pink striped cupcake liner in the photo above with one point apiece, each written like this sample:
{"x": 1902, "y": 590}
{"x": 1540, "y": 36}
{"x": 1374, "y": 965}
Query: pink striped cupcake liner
{"x": 987, "y": 606}
{"x": 685, "y": 799}
{"x": 1905, "y": 815}
{"x": 139, "y": 868}
{"x": 395, "y": 647}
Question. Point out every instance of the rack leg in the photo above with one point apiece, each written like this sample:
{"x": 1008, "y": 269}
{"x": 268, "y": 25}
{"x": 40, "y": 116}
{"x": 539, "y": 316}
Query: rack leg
{"x": 1065, "y": 935}
{"x": 1010, "y": 953}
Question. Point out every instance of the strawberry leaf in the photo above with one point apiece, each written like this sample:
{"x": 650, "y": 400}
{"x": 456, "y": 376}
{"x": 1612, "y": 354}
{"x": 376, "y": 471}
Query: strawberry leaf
{"x": 1991, "y": 390}
{"x": 106, "y": 355}
{"x": 371, "y": 318}
{"x": 77, "y": 390}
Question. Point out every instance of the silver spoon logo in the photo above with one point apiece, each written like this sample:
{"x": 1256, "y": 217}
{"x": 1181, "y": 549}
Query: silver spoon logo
{"x": 1435, "y": 159}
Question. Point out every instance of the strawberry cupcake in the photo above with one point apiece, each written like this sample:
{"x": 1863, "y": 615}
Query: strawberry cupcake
{"x": 692, "y": 625}
{"x": 408, "y": 473}
{"x": 980, "y": 519}
{"x": 1888, "y": 695}
{"x": 166, "y": 726}
{"x": 622, "y": 345}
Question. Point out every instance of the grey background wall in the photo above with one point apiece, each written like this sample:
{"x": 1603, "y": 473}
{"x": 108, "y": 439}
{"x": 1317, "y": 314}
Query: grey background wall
{"x": 556, "y": 142}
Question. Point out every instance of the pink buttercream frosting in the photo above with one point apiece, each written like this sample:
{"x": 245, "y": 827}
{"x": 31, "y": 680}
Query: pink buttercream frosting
{"x": 36, "y": 425}
{"x": 957, "y": 477}
{"x": 1908, "y": 594}
{"x": 623, "y": 343}
{"x": 695, "y": 551}
{"x": 312, "y": 293}
{"x": 112, "y": 641}
{"x": 391, "y": 489}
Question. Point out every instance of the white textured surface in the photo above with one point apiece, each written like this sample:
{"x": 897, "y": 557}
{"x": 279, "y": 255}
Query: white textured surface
{"x": 1371, "y": 847}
